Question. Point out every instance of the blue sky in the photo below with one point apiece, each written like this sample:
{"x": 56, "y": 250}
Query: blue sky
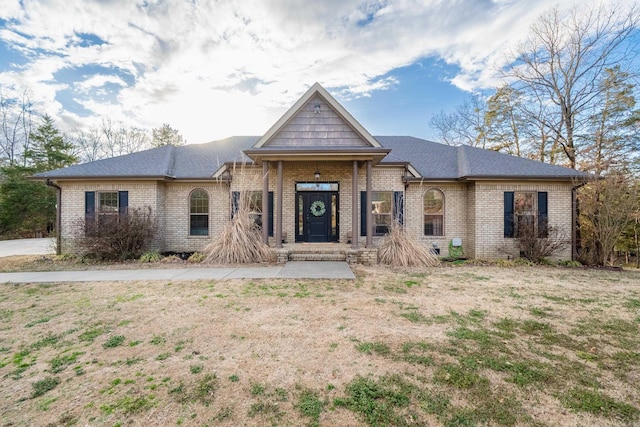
{"x": 233, "y": 67}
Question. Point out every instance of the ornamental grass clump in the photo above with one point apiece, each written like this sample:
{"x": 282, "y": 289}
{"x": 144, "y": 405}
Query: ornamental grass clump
{"x": 240, "y": 241}
{"x": 398, "y": 249}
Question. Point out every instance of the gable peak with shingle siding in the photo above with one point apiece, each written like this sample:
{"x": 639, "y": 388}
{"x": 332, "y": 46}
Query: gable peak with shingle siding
{"x": 305, "y": 107}
{"x": 316, "y": 125}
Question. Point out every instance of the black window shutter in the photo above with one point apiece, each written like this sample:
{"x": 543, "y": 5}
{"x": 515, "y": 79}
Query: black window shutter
{"x": 123, "y": 202}
{"x": 363, "y": 213}
{"x": 89, "y": 206}
{"x": 235, "y": 200}
{"x": 270, "y": 213}
{"x": 398, "y": 207}
{"x": 508, "y": 213}
{"x": 543, "y": 217}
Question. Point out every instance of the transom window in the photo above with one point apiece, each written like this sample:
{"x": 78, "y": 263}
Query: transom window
{"x": 433, "y": 212}
{"x": 199, "y": 213}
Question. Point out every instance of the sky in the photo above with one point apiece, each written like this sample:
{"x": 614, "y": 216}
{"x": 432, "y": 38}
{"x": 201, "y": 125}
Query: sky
{"x": 218, "y": 68}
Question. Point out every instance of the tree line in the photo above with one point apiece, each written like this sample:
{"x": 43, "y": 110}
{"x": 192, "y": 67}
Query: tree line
{"x": 30, "y": 143}
{"x": 569, "y": 97}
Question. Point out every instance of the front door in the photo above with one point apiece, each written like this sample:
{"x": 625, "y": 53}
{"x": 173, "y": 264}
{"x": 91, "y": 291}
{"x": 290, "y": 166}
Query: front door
{"x": 316, "y": 216}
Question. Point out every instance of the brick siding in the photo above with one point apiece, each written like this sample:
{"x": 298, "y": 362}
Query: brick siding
{"x": 473, "y": 212}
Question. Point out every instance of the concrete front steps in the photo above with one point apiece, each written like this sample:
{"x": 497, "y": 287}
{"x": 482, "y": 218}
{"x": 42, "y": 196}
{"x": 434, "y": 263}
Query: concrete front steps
{"x": 326, "y": 252}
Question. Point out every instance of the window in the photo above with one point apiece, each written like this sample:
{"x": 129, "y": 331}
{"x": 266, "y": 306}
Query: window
{"x": 107, "y": 207}
{"x": 381, "y": 209}
{"x": 433, "y": 213}
{"x": 253, "y": 201}
{"x": 525, "y": 212}
{"x": 199, "y": 213}
{"x": 104, "y": 206}
{"x": 386, "y": 208}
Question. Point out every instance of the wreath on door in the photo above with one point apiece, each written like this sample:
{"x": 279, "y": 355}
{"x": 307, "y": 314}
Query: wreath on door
{"x": 318, "y": 208}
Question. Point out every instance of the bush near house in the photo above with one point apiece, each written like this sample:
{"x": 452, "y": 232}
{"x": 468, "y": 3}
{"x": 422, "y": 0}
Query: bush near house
{"x": 122, "y": 238}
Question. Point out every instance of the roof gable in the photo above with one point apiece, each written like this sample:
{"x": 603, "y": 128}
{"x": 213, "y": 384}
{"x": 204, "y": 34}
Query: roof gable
{"x": 317, "y": 120}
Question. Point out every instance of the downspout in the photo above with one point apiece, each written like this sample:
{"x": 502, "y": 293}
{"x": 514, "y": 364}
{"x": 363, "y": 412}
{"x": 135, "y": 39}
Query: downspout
{"x": 58, "y": 216}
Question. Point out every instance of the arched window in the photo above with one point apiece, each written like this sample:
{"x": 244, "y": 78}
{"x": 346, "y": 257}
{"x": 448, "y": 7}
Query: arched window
{"x": 433, "y": 212}
{"x": 198, "y": 213}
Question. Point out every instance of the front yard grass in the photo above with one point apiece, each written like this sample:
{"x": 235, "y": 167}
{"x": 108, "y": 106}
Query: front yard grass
{"x": 449, "y": 346}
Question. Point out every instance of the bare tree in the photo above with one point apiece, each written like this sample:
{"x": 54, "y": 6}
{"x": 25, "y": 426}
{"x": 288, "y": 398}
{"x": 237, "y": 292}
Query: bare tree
{"x": 607, "y": 207}
{"x": 563, "y": 63}
{"x": 110, "y": 139}
{"x": 16, "y": 112}
{"x": 117, "y": 139}
{"x": 465, "y": 126}
{"x": 88, "y": 144}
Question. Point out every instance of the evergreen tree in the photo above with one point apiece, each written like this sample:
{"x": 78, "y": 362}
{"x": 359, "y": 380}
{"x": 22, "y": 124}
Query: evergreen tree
{"x": 166, "y": 135}
{"x": 27, "y": 208}
{"x": 49, "y": 150}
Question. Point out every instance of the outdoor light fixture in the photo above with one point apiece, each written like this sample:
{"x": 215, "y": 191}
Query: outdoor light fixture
{"x": 316, "y": 108}
{"x": 316, "y": 174}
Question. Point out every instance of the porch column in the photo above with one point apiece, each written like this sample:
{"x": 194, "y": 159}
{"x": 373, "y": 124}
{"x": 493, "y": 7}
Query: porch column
{"x": 265, "y": 202}
{"x": 279, "y": 207}
{"x": 368, "y": 207}
{"x": 354, "y": 206}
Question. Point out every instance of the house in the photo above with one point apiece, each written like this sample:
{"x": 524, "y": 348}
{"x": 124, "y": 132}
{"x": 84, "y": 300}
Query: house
{"x": 319, "y": 176}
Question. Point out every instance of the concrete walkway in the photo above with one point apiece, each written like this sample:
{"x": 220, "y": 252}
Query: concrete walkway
{"x": 42, "y": 246}
{"x": 291, "y": 270}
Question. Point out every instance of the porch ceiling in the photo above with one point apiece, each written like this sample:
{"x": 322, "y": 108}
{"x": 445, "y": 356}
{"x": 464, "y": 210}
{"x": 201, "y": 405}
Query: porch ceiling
{"x": 301, "y": 154}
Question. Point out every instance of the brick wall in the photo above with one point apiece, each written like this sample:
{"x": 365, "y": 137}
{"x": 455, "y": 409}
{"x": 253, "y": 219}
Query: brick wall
{"x": 176, "y": 208}
{"x": 455, "y": 214}
{"x": 489, "y": 212}
{"x": 474, "y": 212}
{"x": 141, "y": 194}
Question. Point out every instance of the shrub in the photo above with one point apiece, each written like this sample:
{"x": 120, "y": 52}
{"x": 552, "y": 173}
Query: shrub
{"x": 241, "y": 239}
{"x": 118, "y": 240}
{"x": 197, "y": 257}
{"x": 151, "y": 256}
{"x": 534, "y": 247}
{"x": 398, "y": 249}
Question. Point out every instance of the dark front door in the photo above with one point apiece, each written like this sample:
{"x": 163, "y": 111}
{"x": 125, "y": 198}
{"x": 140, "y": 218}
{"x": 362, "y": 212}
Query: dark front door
{"x": 315, "y": 215}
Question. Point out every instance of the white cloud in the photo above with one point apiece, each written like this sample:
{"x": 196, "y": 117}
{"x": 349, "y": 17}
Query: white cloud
{"x": 213, "y": 69}
{"x": 98, "y": 81}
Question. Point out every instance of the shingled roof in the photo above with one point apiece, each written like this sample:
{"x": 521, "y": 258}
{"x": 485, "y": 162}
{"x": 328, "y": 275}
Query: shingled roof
{"x": 430, "y": 159}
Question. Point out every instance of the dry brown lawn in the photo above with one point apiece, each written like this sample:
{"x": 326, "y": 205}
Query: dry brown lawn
{"x": 530, "y": 346}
